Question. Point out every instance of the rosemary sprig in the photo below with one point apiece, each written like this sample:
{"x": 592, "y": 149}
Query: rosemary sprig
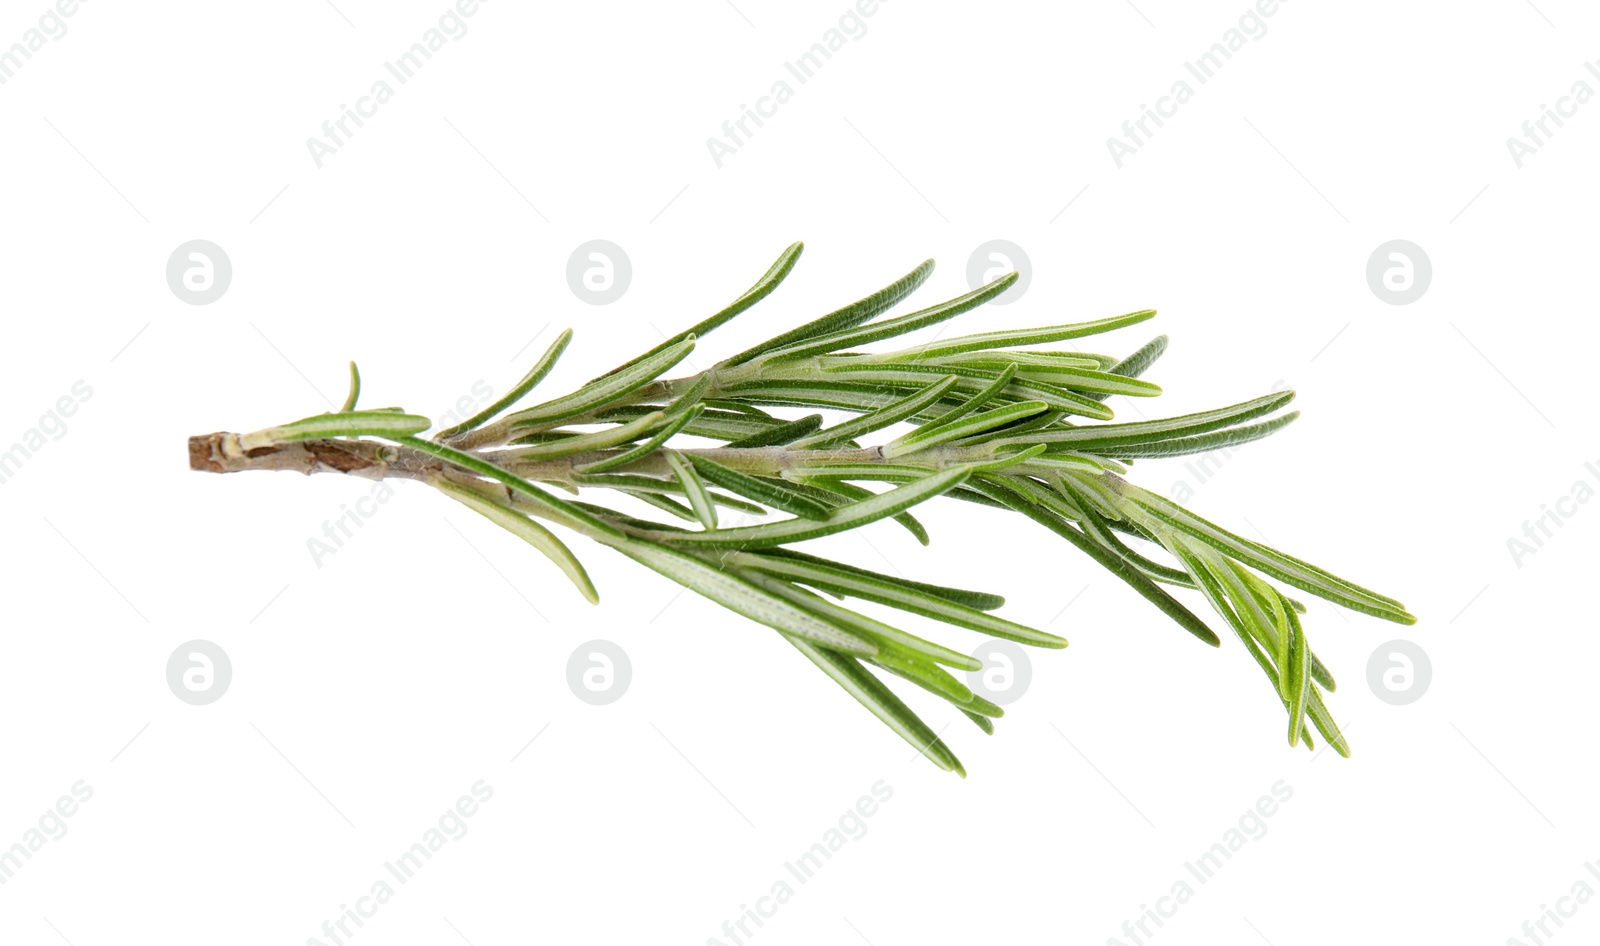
{"x": 991, "y": 421}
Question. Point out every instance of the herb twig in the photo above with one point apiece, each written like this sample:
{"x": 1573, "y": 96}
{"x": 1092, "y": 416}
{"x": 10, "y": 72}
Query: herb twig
{"x": 987, "y": 418}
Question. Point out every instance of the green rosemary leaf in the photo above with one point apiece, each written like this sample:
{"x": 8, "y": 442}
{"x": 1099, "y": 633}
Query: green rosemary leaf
{"x": 1135, "y": 364}
{"x": 605, "y": 389}
{"x": 1299, "y": 677}
{"x": 355, "y": 390}
{"x": 1000, "y": 358}
{"x": 655, "y": 484}
{"x": 1205, "y": 443}
{"x": 983, "y": 707}
{"x": 871, "y": 693}
{"x": 528, "y": 531}
{"x": 1080, "y": 492}
{"x": 1136, "y": 580}
{"x": 750, "y": 409}
{"x": 824, "y": 575}
{"x": 1247, "y": 607}
{"x": 1320, "y": 674}
{"x": 583, "y": 443}
{"x": 885, "y": 636}
{"x": 972, "y": 403}
{"x": 775, "y": 493}
{"x": 982, "y": 722}
{"x": 781, "y": 434}
{"x": 709, "y": 423}
{"x": 972, "y": 380}
{"x": 344, "y": 424}
{"x": 874, "y": 331}
{"x": 1026, "y": 336}
{"x": 1283, "y": 567}
{"x": 644, "y": 449}
{"x": 1092, "y": 383}
{"x": 763, "y": 287}
{"x": 1069, "y": 463}
{"x": 553, "y": 504}
{"x": 1106, "y": 437}
{"x": 848, "y": 317}
{"x": 925, "y": 675}
{"x": 743, "y": 597}
{"x": 880, "y": 418}
{"x": 699, "y": 498}
{"x": 1098, "y": 528}
{"x": 535, "y": 374}
{"x": 850, "y": 491}
{"x": 1210, "y": 584}
{"x": 841, "y": 519}
{"x": 1323, "y": 720}
{"x": 923, "y": 437}
{"x": 981, "y": 600}
{"x": 664, "y": 504}
{"x": 837, "y": 395}
{"x": 822, "y": 468}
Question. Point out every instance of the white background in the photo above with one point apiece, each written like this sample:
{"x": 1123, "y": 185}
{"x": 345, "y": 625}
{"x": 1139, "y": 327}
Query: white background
{"x": 370, "y": 692}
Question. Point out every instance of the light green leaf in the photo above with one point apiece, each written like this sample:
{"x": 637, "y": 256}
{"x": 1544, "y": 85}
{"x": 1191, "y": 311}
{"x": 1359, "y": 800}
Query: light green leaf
{"x": 602, "y": 391}
{"x": 673, "y": 425}
{"x": 885, "y": 636}
{"x": 874, "y": 331}
{"x": 535, "y": 374}
{"x": 1285, "y": 568}
{"x": 699, "y": 497}
{"x": 344, "y": 424}
{"x": 840, "y": 319}
{"x": 741, "y": 596}
{"x": 981, "y": 600}
{"x": 825, "y": 576}
{"x": 1107, "y": 437}
{"x": 881, "y": 701}
{"x": 763, "y": 287}
{"x": 1024, "y": 336}
{"x": 355, "y": 390}
{"x": 880, "y": 418}
{"x": 775, "y": 493}
{"x": 554, "y": 505}
{"x": 1205, "y": 443}
{"x": 923, "y": 438}
{"x": 584, "y": 443}
{"x": 528, "y": 531}
{"x": 841, "y": 519}
{"x": 1298, "y": 677}
{"x": 781, "y": 434}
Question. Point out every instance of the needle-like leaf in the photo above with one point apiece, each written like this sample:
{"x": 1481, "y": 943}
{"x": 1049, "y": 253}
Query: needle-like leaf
{"x": 870, "y": 691}
{"x": 537, "y": 373}
{"x": 763, "y": 287}
{"x": 699, "y": 496}
{"x": 528, "y": 531}
{"x": 848, "y": 317}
